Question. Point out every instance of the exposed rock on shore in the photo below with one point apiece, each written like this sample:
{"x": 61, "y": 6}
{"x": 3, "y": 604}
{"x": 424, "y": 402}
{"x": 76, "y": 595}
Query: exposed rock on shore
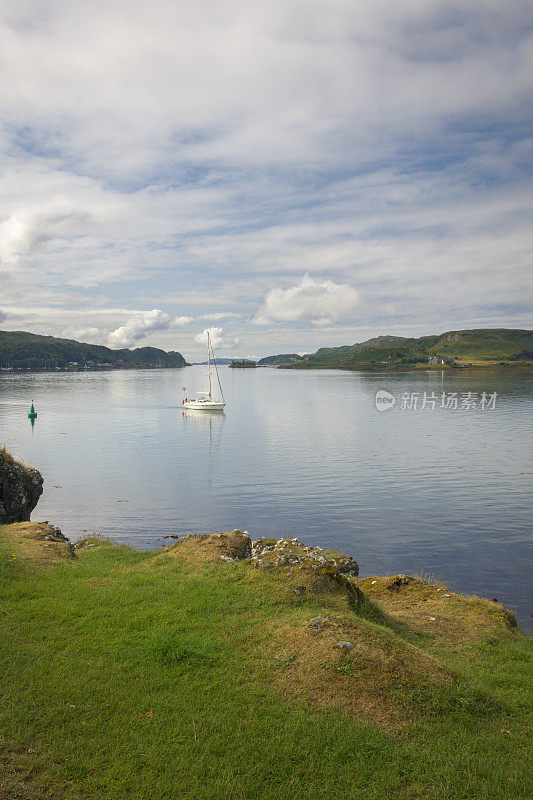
{"x": 20, "y": 489}
{"x": 301, "y": 568}
{"x": 279, "y": 554}
{"x": 307, "y": 570}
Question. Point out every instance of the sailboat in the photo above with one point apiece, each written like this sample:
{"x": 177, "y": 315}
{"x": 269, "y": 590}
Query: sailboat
{"x": 204, "y": 401}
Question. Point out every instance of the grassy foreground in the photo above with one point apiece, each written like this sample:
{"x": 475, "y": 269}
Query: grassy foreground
{"x": 176, "y": 674}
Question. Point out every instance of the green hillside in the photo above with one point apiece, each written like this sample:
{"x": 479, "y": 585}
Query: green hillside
{"x": 496, "y": 343}
{"x": 328, "y": 356}
{"x": 389, "y": 352}
{"x": 282, "y": 358}
{"x": 19, "y": 349}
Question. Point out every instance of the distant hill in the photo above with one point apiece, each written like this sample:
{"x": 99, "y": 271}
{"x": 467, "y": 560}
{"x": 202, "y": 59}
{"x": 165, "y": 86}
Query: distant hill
{"x": 489, "y": 343}
{"x": 21, "y": 350}
{"x": 283, "y": 358}
{"x": 482, "y": 346}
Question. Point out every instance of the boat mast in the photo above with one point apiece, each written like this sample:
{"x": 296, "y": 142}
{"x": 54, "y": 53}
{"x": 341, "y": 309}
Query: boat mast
{"x": 218, "y": 376}
{"x": 209, "y": 362}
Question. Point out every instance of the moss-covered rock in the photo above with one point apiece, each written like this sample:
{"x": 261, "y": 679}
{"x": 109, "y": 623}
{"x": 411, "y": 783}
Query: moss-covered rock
{"x": 278, "y": 554}
{"x": 20, "y": 489}
{"x": 226, "y": 546}
{"x": 306, "y": 569}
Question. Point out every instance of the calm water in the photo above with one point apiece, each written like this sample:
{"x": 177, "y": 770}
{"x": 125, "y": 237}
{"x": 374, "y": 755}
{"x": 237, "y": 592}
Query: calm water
{"x": 306, "y": 454}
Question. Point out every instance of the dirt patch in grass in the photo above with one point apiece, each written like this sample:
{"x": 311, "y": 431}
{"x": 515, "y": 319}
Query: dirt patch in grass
{"x": 19, "y": 778}
{"x": 38, "y": 542}
{"x": 347, "y": 664}
{"x": 431, "y": 608}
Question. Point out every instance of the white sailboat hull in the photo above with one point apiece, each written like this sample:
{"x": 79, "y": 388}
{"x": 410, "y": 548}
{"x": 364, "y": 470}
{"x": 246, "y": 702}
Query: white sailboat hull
{"x": 204, "y": 405}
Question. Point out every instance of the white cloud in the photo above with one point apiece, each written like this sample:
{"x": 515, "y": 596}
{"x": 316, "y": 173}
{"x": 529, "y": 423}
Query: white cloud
{"x": 218, "y": 340}
{"x": 29, "y": 228}
{"x": 219, "y": 315}
{"x": 179, "y": 322}
{"x": 88, "y": 335}
{"x": 138, "y": 327}
{"x": 318, "y": 302}
{"x": 152, "y": 150}
{"x": 3, "y": 316}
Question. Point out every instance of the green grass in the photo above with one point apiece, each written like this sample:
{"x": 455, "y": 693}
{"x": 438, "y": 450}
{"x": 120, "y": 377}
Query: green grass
{"x": 130, "y": 676}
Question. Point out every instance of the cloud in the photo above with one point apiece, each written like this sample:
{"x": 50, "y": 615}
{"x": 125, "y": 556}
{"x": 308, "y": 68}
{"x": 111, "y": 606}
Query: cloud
{"x": 138, "y": 327}
{"x": 152, "y": 151}
{"x": 218, "y": 340}
{"x": 90, "y": 335}
{"x": 312, "y": 301}
{"x": 179, "y": 322}
{"x": 3, "y": 316}
{"x": 219, "y": 315}
{"x": 29, "y": 229}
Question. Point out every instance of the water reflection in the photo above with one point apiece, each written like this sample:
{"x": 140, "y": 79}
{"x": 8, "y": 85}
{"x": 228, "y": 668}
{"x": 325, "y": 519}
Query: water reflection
{"x": 208, "y": 422}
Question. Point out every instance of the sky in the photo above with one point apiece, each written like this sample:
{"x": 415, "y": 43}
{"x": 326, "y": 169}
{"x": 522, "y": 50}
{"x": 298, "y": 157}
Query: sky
{"x": 288, "y": 174}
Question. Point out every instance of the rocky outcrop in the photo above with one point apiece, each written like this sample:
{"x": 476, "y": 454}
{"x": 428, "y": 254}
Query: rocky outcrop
{"x": 307, "y": 570}
{"x": 300, "y": 567}
{"x": 292, "y": 554}
{"x": 20, "y": 489}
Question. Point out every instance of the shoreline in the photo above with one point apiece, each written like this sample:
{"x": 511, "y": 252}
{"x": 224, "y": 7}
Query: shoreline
{"x": 283, "y": 557}
{"x": 521, "y": 367}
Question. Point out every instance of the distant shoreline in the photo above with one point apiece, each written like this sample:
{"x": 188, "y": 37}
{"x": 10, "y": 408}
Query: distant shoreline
{"x": 112, "y": 368}
{"x": 458, "y": 368}
{"x": 519, "y": 367}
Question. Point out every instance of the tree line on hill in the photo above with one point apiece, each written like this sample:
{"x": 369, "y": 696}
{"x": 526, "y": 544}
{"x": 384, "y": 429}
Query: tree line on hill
{"x": 21, "y": 350}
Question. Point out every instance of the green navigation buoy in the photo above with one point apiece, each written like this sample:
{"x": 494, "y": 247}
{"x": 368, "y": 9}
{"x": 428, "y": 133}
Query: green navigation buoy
{"x": 32, "y": 413}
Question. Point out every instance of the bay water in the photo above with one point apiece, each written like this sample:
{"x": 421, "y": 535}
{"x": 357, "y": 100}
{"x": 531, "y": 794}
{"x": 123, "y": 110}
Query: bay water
{"x": 425, "y": 487}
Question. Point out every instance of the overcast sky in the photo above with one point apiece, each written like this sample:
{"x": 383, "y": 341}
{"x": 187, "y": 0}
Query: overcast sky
{"x": 291, "y": 174}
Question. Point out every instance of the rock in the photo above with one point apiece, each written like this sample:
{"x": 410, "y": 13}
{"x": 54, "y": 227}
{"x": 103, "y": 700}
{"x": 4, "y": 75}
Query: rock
{"x": 50, "y": 533}
{"x": 306, "y": 569}
{"x": 317, "y": 623}
{"x": 20, "y": 489}
{"x": 260, "y": 544}
{"x": 276, "y": 554}
{"x": 345, "y": 646}
{"x": 398, "y": 582}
